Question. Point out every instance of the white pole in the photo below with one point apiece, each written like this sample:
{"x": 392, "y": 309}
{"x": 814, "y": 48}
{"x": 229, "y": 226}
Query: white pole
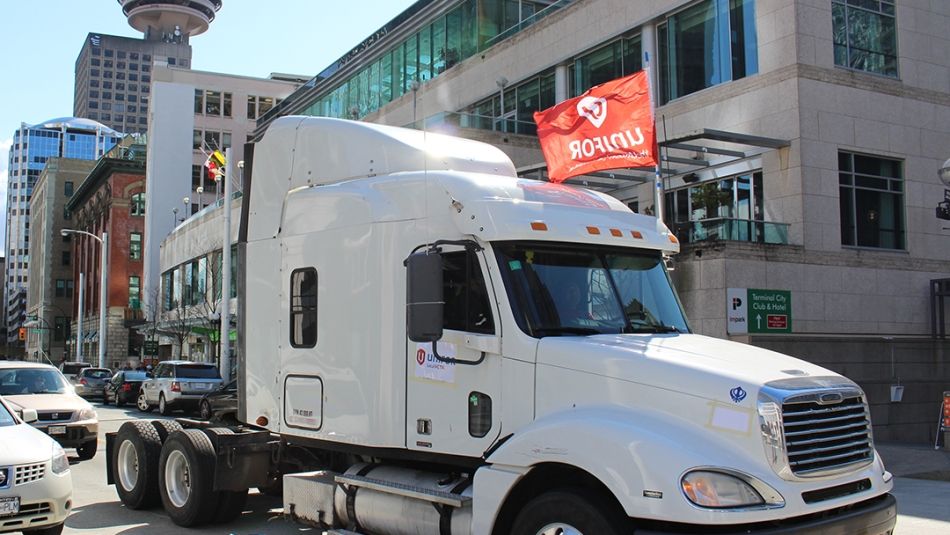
{"x": 226, "y": 271}
{"x": 79, "y": 319}
{"x": 103, "y": 296}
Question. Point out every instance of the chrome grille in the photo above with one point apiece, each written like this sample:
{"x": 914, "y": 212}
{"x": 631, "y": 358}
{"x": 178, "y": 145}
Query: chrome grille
{"x": 26, "y": 473}
{"x": 824, "y": 437}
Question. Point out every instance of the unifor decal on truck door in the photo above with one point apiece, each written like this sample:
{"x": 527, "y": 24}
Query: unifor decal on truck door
{"x": 303, "y": 401}
{"x": 429, "y": 367}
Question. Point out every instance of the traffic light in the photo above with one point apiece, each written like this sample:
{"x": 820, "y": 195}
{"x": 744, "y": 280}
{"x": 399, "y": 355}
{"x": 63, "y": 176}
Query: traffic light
{"x": 22, "y": 334}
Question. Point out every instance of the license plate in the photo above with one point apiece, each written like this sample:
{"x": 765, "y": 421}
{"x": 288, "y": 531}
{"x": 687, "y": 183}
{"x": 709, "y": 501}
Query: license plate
{"x": 9, "y": 506}
{"x": 202, "y": 386}
{"x": 57, "y": 429}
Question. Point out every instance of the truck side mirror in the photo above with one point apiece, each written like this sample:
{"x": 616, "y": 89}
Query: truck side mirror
{"x": 424, "y": 296}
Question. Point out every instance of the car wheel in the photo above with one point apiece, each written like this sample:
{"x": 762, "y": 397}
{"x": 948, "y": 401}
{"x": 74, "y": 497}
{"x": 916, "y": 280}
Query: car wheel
{"x": 88, "y": 450}
{"x": 48, "y": 530}
{"x": 186, "y": 478}
{"x": 567, "y": 512}
{"x": 204, "y": 410}
{"x": 142, "y": 403}
{"x": 165, "y": 428}
{"x": 231, "y": 502}
{"x": 163, "y": 408}
{"x": 135, "y": 461}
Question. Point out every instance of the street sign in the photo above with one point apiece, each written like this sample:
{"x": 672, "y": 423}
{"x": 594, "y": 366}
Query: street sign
{"x": 151, "y": 347}
{"x": 757, "y": 311}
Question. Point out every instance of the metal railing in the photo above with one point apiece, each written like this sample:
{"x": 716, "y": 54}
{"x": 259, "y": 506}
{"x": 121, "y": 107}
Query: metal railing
{"x": 527, "y": 21}
{"x": 452, "y": 119}
{"x": 730, "y": 229}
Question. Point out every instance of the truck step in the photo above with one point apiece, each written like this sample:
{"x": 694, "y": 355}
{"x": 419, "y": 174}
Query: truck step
{"x": 409, "y": 491}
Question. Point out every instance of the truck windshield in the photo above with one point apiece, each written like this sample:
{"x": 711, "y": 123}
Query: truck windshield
{"x": 563, "y": 289}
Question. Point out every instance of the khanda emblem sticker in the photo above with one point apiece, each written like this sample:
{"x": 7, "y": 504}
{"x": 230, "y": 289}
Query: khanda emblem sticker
{"x": 737, "y": 394}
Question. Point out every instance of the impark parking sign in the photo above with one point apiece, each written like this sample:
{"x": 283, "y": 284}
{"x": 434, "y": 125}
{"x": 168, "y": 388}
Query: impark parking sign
{"x": 758, "y": 311}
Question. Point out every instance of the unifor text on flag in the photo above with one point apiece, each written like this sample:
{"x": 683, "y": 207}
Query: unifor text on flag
{"x": 608, "y": 127}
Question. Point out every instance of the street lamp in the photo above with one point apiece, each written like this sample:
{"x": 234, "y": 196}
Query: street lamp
{"x": 199, "y": 190}
{"x": 103, "y": 290}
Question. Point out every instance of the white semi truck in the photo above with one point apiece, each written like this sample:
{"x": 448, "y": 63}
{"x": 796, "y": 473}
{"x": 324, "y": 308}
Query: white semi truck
{"x": 429, "y": 345}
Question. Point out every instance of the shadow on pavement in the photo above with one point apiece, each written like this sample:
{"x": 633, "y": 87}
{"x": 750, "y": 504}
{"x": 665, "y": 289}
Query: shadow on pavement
{"x": 260, "y": 511}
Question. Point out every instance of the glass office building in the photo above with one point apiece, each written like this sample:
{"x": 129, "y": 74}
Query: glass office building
{"x": 66, "y": 137}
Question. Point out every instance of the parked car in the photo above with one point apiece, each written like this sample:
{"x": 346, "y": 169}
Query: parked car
{"x": 62, "y": 414}
{"x": 178, "y": 384}
{"x": 123, "y": 388}
{"x": 71, "y": 369}
{"x": 36, "y": 485}
{"x": 89, "y": 381}
{"x": 220, "y": 404}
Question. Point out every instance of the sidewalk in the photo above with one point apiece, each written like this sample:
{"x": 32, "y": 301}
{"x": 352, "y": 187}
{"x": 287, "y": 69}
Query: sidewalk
{"x": 915, "y": 461}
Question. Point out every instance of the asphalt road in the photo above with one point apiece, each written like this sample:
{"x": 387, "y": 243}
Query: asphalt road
{"x": 922, "y": 505}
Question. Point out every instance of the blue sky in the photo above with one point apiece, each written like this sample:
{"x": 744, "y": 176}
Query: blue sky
{"x": 40, "y": 40}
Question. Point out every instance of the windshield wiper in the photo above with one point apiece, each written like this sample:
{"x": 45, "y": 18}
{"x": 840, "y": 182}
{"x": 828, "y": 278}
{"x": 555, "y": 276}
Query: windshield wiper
{"x": 655, "y": 328}
{"x": 562, "y": 330}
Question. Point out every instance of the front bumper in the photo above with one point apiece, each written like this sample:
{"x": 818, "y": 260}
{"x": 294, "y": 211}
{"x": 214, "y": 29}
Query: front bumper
{"x": 876, "y": 516}
{"x": 44, "y": 502}
{"x": 76, "y": 433}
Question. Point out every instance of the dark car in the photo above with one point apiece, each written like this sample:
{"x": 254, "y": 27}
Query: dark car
{"x": 221, "y": 404}
{"x": 89, "y": 381}
{"x": 123, "y": 387}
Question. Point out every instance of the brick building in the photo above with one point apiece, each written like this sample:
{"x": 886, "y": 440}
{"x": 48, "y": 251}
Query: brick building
{"x": 112, "y": 200}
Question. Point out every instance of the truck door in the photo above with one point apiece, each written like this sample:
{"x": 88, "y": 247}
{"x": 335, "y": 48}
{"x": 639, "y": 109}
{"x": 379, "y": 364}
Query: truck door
{"x": 455, "y": 407}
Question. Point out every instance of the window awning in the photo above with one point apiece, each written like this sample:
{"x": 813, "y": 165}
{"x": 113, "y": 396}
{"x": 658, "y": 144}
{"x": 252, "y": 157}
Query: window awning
{"x": 691, "y": 157}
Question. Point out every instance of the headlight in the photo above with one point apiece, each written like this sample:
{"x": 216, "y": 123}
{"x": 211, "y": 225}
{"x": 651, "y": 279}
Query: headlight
{"x": 773, "y": 436}
{"x": 718, "y": 490}
{"x": 60, "y": 462}
{"x": 87, "y": 414}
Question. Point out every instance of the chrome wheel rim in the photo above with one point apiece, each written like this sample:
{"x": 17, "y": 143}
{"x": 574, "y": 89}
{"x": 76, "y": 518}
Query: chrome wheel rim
{"x": 559, "y": 528}
{"x": 177, "y": 478}
{"x": 143, "y": 405}
{"x": 161, "y": 404}
{"x": 128, "y": 465}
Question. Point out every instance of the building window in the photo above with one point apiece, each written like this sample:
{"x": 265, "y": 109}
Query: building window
{"x": 865, "y": 35}
{"x": 66, "y": 258}
{"x": 135, "y": 293}
{"x": 60, "y": 329}
{"x": 620, "y": 58}
{"x": 872, "y": 201}
{"x": 705, "y": 45}
{"x": 60, "y": 288}
{"x": 227, "y": 104}
{"x": 138, "y": 204}
{"x": 303, "y": 308}
{"x": 213, "y": 103}
{"x": 68, "y": 188}
{"x": 135, "y": 246}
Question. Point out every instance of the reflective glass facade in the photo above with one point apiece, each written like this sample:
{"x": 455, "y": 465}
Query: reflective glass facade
{"x": 865, "y": 35}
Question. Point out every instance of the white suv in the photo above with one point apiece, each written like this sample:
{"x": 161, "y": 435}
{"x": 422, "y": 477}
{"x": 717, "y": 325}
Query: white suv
{"x": 178, "y": 384}
{"x": 36, "y": 486}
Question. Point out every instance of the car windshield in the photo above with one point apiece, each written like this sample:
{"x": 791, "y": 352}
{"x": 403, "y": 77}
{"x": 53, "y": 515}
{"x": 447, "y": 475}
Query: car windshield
{"x": 562, "y": 289}
{"x": 97, "y": 373}
{"x": 196, "y": 371}
{"x": 135, "y": 376}
{"x": 73, "y": 368}
{"x": 31, "y": 381}
{"x": 5, "y": 417}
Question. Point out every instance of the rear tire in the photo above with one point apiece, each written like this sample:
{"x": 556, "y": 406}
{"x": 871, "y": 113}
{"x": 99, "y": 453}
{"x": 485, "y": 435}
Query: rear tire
{"x": 567, "y": 511}
{"x": 88, "y": 450}
{"x": 186, "y": 478}
{"x": 165, "y": 428}
{"x": 135, "y": 464}
{"x": 142, "y": 403}
{"x": 163, "y": 407}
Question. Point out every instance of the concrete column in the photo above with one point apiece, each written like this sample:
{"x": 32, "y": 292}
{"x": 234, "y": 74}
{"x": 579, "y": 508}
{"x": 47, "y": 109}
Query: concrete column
{"x": 562, "y": 84}
{"x": 648, "y": 42}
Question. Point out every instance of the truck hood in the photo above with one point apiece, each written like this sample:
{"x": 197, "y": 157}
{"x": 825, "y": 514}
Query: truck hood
{"x": 685, "y": 363}
{"x": 22, "y": 444}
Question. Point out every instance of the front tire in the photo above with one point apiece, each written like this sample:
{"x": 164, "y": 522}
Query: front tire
{"x": 142, "y": 403}
{"x": 135, "y": 460}
{"x": 185, "y": 478}
{"x": 567, "y": 512}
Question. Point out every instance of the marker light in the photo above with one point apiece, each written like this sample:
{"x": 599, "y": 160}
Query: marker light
{"x": 593, "y": 230}
{"x": 538, "y": 225}
{"x": 636, "y": 234}
{"x": 616, "y": 232}
{"x": 673, "y": 239}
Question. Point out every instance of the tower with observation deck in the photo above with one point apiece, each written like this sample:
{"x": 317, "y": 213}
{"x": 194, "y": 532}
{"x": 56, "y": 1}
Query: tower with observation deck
{"x": 113, "y": 73}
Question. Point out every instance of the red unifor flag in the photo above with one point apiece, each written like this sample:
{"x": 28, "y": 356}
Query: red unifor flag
{"x": 608, "y": 127}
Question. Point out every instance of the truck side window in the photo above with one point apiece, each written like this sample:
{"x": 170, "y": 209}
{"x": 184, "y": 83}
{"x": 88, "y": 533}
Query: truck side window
{"x": 303, "y": 308}
{"x": 467, "y": 306}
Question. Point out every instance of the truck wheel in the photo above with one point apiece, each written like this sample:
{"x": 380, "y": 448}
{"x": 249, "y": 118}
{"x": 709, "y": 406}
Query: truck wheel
{"x": 135, "y": 464}
{"x": 142, "y": 403}
{"x": 166, "y": 428}
{"x": 231, "y": 503}
{"x": 163, "y": 407}
{"x": 88, "y": 450}
{"x": 566, "y": 512}
{"x": 185, "y": 478}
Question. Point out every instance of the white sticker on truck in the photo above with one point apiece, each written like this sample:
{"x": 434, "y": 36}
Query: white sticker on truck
{"x": 729, "y": 418}
{"x": 429, "y": 367}
{"x": 303, "y": 401}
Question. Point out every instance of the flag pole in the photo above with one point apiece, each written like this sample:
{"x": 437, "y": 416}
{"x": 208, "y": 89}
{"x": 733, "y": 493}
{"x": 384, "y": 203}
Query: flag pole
{"x": 657, "y": 170}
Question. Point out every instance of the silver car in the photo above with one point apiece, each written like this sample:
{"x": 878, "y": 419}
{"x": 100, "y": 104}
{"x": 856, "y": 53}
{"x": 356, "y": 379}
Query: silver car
{"x": 178, "y": 384}
{"x": 90, "y": 382}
